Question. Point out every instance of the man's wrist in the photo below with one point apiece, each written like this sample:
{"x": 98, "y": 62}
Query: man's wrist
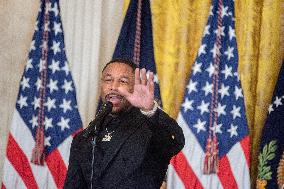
{"x": 150, "y": 113}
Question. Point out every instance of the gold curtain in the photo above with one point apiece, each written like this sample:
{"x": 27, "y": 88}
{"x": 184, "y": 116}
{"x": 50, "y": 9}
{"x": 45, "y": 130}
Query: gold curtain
{"x": 178, "y": 26}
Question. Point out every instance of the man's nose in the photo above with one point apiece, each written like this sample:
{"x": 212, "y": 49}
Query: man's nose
{"x": 114, "y": 85}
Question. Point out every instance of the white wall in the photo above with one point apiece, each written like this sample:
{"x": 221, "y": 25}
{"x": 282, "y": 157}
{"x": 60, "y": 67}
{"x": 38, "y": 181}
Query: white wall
{"x": 91, "y": 28}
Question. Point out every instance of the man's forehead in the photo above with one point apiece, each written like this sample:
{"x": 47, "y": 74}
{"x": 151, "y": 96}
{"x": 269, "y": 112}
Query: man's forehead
{"x": 118, "y": 67}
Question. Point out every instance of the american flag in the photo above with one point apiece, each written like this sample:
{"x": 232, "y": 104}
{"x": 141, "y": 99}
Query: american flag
{"x": 212, "y": 115}
{"x": 135, "y": 41}
{"x": 46, "y": 113}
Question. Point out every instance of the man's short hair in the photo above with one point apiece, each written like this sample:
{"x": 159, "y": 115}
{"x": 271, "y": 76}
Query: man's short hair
{"x": 123, "y": 61}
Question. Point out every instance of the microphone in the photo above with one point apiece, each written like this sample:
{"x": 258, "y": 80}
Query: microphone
{"x": 93, "y": 128}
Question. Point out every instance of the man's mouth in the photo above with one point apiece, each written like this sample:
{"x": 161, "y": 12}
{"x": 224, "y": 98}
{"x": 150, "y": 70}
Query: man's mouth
{"x": 114, "y": 98}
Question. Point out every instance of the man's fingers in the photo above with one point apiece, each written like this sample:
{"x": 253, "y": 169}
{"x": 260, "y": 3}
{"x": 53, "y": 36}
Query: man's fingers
{"x": 143, "y": 76}
{"x": 137, "y": 76}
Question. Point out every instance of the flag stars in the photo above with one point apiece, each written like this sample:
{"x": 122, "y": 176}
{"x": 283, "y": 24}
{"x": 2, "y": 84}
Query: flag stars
{"x": 191, "y": 86}
{"x": 22, "y": 101}
{"x": 202, "y": 49}
{"x": 224, "y": 91}
{"x": 67, "y": 86}
{"x": 221, "y": 110}
{"x": 233, "y": 130}
{"x": 50, "y": 103}
{"x": 232, "y": 33}
{"x": 64, "y": 123}
{"x": 215, "y": 51}
{"x": 55, "y": 47}
{"x": 66, "y": 105}
{"x": 270, "y": 108}
{"x": 66, "y": 68}
{"x": 187, "y": 105}
{"x": 229, "y": 53}
{"x": 208, "y": 88}
{"x": 36, "y": 103}
{"x": 54, "y": 66}
{"x": 236, "y": 112}
{"x": 211, "y": 10}
{"x": 206, "y": 30}
{"x": 211, "y": 70}
{"x": 36, "y": 27}
{"x": 227, "y": 71}
{"x": 200, "y": 125}
{"x": 203, "y": 107}
{"x": 57, "y": 28}
{"x": 47, "y": 141}
{"x": 237, "y": 76}
{"x": 238, "y": 93}
{"x": 224, "y": 11}
{"x": 216, "y": 128}
{"x": 196, "y": 68}
{"x": 156, "y": 80}
{"x": 54, "y": 9}
{"x": 25, "y": 83}
{"x": 48, "y": 123}
{"x": 277, "y": 101}
{"x": 29, "y": 65}
{"x": 220, "y": 31}
{"x": 32, "y": 45}
{"x": 52, "y": 85}
{"x": 38, "y": 84}
{"x": 42, "y": 65}
{"x": 33, "y": 121}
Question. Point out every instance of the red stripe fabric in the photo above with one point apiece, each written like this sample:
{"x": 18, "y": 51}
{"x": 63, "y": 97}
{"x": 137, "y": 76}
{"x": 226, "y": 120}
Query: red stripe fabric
{"x": 3, "y": 187}
{"x": 245, "y": 143}
{"x": 57, "y": 168}
{"x": 20, "y": 162}
{"x": 225, "y": 174}
{"x": 185, "y": 172}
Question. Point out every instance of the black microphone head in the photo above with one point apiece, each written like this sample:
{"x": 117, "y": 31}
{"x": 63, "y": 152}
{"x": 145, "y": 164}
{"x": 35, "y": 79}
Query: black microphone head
{"x": 94, "y": 126}
{"x": 107, "y": 106}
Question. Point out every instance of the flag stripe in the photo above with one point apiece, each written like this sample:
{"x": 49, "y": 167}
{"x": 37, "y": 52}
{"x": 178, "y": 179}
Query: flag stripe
{"x": 225, "y": 174}
{"x": 173, "y": 180}
{"x": 11, "y": 178}
{"x": 195, "y": 154}
{"x": 20, "y": 162}
{"x": 185, "y": 172}
{"x": 23, "y": 138}
{"x": 3, "y": 187}
{"x": 57, "y": 168}
{"x": 240, "y": 172}
{"x": 245, "y": 143}
{"x": 64, "y": 149}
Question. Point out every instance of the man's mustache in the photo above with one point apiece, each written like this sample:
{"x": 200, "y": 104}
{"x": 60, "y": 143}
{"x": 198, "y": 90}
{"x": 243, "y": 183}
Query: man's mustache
{"x": 110, "y": 95}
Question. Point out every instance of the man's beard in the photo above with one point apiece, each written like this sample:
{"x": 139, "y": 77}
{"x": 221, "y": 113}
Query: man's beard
{"x": 124, "y": 104}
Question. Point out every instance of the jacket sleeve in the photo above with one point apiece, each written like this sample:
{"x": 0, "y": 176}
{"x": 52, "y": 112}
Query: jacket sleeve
{"x": 167, "y": 134}
{"x": 74, "y": 178}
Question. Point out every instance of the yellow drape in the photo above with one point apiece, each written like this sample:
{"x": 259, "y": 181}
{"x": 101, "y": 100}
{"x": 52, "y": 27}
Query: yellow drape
{"x": 178, "y": 26}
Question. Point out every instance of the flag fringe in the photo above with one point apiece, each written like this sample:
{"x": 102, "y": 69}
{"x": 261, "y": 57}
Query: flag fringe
{"x": 38, "y": 151}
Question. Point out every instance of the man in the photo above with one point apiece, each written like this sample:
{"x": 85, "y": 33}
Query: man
{"x": 137, "y": 139}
